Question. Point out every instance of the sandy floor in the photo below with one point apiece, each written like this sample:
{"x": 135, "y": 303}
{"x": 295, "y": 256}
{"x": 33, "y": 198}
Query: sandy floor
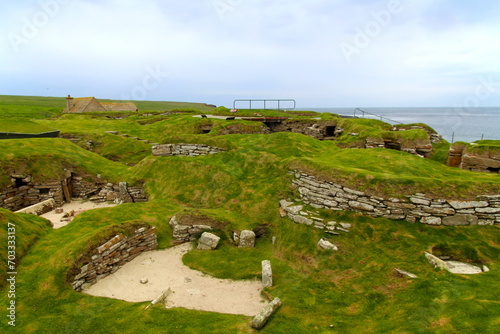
{"x": 191, "y": 289}
{"x": 75, "y": 206}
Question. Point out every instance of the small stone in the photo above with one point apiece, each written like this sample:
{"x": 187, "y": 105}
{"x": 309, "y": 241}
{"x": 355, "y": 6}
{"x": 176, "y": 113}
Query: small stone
{"x": 144, "y": 281}
{"x": 59, "y": 210}
{"x": 405, "y": 273}
{"x": 187, "y": 280}
{"x": 485, "y": 269}
{"x": 346, "y": 225}
{"x": 327, "y": 245}
{"x": 273, "y": 240}
{"x": 282, "y": 213}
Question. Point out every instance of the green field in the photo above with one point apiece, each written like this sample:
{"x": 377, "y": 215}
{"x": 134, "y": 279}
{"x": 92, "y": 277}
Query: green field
{"x": 354, "y": 290}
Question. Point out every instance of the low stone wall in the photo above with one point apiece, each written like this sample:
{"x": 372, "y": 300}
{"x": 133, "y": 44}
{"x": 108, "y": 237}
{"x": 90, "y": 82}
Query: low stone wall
{"x": 191, "y": 150}
{"x": 329, "y": 195}
{"x": 23, "y": 192}
{"x": 415, "y": 147}
{"x": 110, "y": 256}
{"x": 185, "y": 233}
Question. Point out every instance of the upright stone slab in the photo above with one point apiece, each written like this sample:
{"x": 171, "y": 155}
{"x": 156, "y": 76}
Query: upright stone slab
{"x": 267, "y": 274}
{"x": 260, "y": 319}
{"x": 247, "y": 239}
{"x": 124, "y": 195}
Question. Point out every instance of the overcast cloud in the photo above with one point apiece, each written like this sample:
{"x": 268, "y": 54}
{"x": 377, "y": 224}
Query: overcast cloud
{"x": 323, "y": 53}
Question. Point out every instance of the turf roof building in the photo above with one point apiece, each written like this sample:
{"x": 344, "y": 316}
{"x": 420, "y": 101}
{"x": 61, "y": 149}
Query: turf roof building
{"x": 88, "y": 104}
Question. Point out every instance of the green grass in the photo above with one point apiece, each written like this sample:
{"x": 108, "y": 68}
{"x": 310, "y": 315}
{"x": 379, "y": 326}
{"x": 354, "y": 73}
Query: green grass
{"x": 440, "y": 152}
{"x": 20, "y": 231}
{"x": 48, "y": 158}
{"x": 22, "y": 125}
{"x": 354, "y": 289}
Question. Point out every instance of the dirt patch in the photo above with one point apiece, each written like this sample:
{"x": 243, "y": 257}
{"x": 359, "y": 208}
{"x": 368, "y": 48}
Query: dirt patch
{"x": 190, "y": 220}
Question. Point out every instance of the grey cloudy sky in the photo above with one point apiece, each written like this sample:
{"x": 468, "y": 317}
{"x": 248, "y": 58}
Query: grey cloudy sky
{"x": 323, "y": 53}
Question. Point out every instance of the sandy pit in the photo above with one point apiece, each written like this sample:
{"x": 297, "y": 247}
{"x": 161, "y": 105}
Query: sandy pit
{"x": 77, "y": 207}
{"x": 191, "y": 289}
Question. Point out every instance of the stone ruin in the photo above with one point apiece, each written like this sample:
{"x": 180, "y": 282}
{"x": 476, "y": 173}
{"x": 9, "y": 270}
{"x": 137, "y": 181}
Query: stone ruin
{"x": 417, "y": 208}
{"x": 111, "y": 256}
{"x": 188, "y": 150}
{"x": 486, "y": 160}
{"x": 317, "y": 129}
{"x": 23, "y": 191}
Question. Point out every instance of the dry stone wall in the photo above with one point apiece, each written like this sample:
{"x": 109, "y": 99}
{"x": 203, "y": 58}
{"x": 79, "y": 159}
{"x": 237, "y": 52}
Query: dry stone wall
{"x": 321, "y": 130}
{"x": 23, "y": 192}
{"x": 416, "y": 208}
{"x": 110, "y": 256}
{"x": 422, "y": 147}
{"x": 190, "y": 150}
{"x": 99, "y": 192}
{"x": 186, "y": 233}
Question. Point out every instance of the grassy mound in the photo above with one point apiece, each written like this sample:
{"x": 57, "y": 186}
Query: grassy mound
{"x": 354, "y": 290}
{"x": 48, "y": 158}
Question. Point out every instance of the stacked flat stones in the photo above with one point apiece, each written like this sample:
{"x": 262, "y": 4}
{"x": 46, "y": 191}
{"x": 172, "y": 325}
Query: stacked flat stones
{"x": 16, "y": 197}
{"x": 110, "y": 256}
{"x": 333, "y": 196}
{"x": 189, "y": 150}
{"x": 23, "y": 192}
{"x": 185, "y": 233}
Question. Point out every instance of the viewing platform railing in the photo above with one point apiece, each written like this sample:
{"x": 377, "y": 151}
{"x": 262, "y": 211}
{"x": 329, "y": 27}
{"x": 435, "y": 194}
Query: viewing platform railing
{"x": 378, "y": 116}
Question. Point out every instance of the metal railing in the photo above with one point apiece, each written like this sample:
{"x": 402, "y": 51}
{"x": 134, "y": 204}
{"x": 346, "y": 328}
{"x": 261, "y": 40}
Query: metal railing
{"x": 279, "y": 101}
{"x": 378, "y": 116}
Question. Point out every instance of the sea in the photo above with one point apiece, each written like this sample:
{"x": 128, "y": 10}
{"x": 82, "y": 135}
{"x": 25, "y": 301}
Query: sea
{"x": 454, "y": 124}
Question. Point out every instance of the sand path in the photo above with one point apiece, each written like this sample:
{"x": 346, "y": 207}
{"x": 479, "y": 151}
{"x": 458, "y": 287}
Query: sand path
{"x": 191, "y": 289}
{"x": 77, "y": 207}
